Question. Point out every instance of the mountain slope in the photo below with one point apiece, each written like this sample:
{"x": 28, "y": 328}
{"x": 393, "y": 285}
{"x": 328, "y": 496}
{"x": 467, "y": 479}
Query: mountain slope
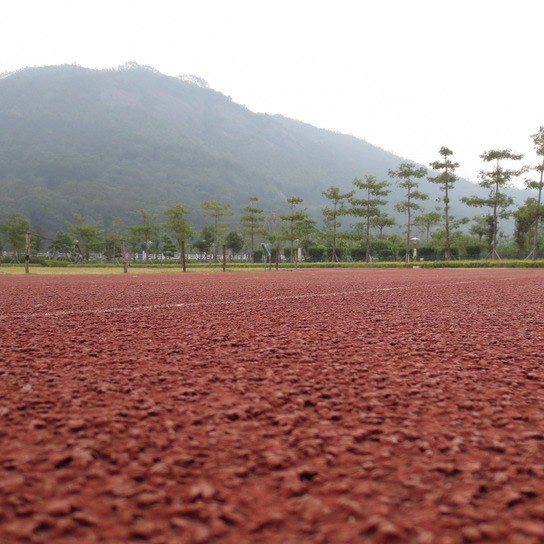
{"x": 106, "y": 142}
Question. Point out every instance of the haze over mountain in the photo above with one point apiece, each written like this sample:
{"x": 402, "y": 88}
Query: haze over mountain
{"x": 107, "y": 142}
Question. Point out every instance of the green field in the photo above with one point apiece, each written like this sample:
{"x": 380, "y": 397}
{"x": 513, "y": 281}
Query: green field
{"x": 106, "y": 268}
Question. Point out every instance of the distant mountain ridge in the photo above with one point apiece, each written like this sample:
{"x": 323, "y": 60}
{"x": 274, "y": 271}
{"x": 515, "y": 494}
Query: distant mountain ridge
{"x": 106, "y": 142}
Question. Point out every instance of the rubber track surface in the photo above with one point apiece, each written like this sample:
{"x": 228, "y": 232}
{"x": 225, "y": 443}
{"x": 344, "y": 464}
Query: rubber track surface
{"x": 334, "y": 406}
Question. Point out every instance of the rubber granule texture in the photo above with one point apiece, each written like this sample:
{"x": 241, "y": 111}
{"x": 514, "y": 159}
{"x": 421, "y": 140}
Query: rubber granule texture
{"x": 335, "y": 406}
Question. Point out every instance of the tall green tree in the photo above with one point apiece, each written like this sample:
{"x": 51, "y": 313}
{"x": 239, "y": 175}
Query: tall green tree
{"x": 88, "y": 235}
{"x": 538, "y": 140}
{"x": 37, "y": 239}
{"x": 62, "y": 244}
{"x": 407, "y": 175}
{"x": 217, "y": 212}
{"x": 205, "y": 240}
{"x": 252, "y": 221}
{"x": 426, "y": 221}
{"x": 496, "y": 180}
{"x": 525, "y": 217}
{"x": 381, "y": 222}
{"x": 293, "y": 223}
{"x": 147, "y": 230}
{"x": 178, "y": 225}
{"x": 234, "y": 242}
{"x": 308, "y": 232}
{"x": 369, "y": 206}
{"x": 482, "y": 226}
{"x": 168, "y": 247}
{"x": 116, "y": 232}
{"x": 446, "y": 179}
{"x": 13, "y": 230}
{"x": 272, "y": 227}
{"x": 332, "y": 215}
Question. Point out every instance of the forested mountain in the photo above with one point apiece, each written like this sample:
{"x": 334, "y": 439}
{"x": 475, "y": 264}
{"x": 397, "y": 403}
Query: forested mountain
{"x": 106, "y": 142}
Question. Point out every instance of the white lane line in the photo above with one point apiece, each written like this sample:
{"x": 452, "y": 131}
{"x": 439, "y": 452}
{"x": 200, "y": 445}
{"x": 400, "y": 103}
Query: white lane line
{"x": 135, "y": 309}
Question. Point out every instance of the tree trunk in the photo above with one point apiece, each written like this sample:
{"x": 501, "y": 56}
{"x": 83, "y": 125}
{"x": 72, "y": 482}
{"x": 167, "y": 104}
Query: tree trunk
{"x": 447, "y": 252}
{"x": 537, "y": 219}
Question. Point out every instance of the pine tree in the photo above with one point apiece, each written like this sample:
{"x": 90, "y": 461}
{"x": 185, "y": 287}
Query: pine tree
{"x": 405, "y": 175}
{"x": 217, "y": 211}
{"x": 538, "y": 139}
{"x": 446, "y": 179}
{"x": 178, "y": 225}
{"x": 496, "y": 180}
{"x": 294, "y": 223}
{"x": 368, "y": 207}
{"x": 332, "y": 215}
{"x": 252, "y": 223}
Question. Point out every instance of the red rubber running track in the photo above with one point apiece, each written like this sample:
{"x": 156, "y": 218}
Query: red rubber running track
{"x": 334, "y": 406}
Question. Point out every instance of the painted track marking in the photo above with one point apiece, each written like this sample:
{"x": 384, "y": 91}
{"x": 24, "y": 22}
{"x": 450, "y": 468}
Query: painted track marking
{"x": 149, "y": 307}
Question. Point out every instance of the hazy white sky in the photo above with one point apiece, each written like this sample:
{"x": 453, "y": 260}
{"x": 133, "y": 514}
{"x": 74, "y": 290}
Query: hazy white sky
{"x": 406, "y": 75}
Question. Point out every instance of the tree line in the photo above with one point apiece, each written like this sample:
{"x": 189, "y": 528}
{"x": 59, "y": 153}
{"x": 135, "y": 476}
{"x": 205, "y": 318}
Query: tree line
{"x": 293, "y": 233}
